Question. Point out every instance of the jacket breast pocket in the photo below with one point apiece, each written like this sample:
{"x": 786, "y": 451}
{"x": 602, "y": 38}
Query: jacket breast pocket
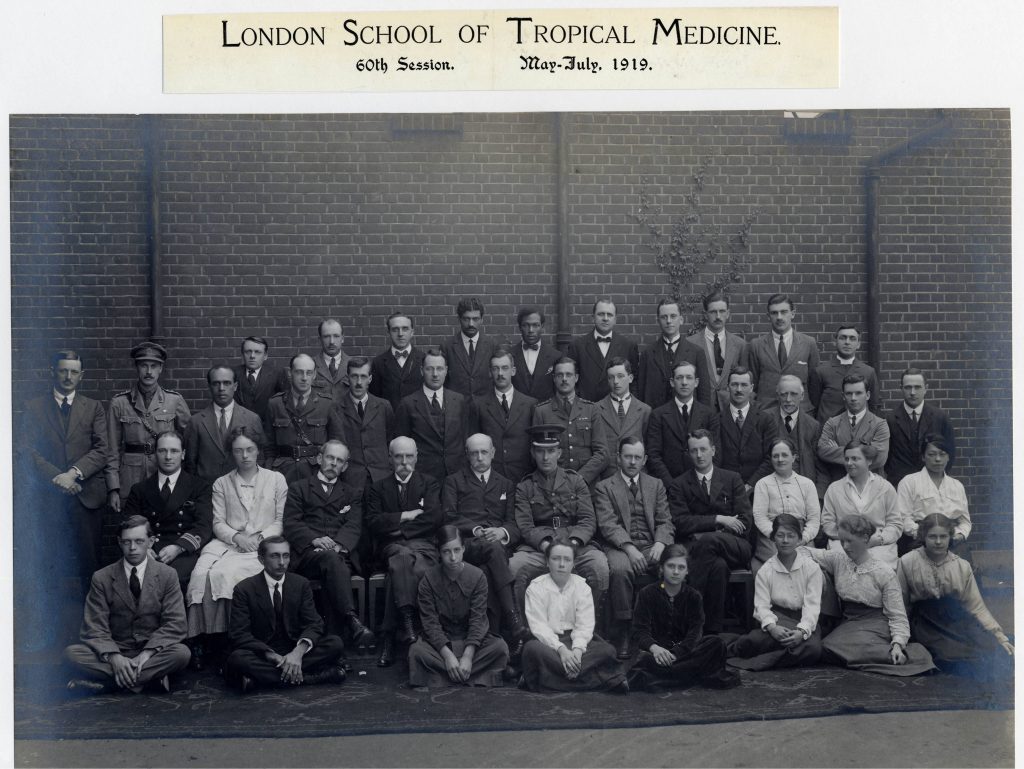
{"x": 164, "y": 422}
{"x": 317, "y": 427}
{"x": 281, "y": 423}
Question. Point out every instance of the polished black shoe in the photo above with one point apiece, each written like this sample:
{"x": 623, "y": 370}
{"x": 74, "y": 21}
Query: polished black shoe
{"x": 335, "y": 675}
{"x": 387, "y": 652}
{"x": 517, "y": 629}
{"x": 622, "y": 687}
{"x": 407, "y": 628}
{"x": 164, "y": 684}
{"x": 246, "y": 685}
{"x": 87, "y": 686}
{"x": 361, "y": 635}
{"x": 620, "y": 639}
{"x": 723, "y": 679}
{"x": 346, "y": 666}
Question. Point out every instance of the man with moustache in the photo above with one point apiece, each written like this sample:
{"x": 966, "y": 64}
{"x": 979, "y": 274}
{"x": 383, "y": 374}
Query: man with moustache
{"x": 533, "y": 359}
{"x": 137, "y": 417}
{"x": 660, "y": 358}
{"x": 667, "y": 453}
{"x": 723, "y": 350}
{"x": 368, "y": 424}
{"x": 593, "y": 350}
{"x": 323, "y": 520}
{"x": 299, "y": 422}
{"x": 468, "y": 353}
{"x": 398, "y": 371}
{"x": 622, "y": 414}
{"x": 206, "y": 451}
{"x": 257, "y": 378}
{"x": 781, "y": 351}
{"x": 504, "y": 415}
{"x": 801, "y": 428}
{"x": 332, "y": 362}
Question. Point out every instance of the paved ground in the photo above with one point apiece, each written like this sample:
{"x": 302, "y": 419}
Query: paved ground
{"x": 935, "y": 739}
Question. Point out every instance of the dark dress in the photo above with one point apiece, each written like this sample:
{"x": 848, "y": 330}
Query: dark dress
{"x": 676, "y": 624}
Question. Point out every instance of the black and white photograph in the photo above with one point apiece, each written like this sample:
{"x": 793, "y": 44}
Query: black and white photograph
{"x": 471, "y": 436}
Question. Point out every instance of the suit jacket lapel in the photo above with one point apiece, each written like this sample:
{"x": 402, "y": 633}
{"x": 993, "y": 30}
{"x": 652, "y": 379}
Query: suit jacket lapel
{"x": 208, "y": 419}
{"x": 461, "y": 356}
{"x": 647, "y": 492}
{"x": 121, "y": 585}
{"x": 76, "y": 415}
{"x": 53, "y": 416}
{"x": 424, "y": 406}
{"x": 180, "y": 493}
{"x": 623, "y": 496}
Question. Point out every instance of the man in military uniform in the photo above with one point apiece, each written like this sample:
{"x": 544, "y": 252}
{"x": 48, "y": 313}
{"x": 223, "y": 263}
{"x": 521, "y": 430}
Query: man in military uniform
{"x": 548, "y": 501}
{"x": 138, "y": 416}
{"x": 299, "y": 422}
{"x": 332, "y": 362}
{"x": 178, "y": 507}
{"x": 582, "y": 441}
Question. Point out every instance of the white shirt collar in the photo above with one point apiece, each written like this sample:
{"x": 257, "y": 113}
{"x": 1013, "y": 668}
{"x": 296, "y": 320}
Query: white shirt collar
{"x": 787, "y": 337}
{"x": 320, "y": 477}
{"x": 508, "y": 395}
{"x": 846, "y": 363}
{"x": 710, "y": 336}
{"x": 160, "y": 478}
{"x": 626, "y": 479}
{"x": 400, "y": 481}
{"x": 910, "y": 411}
{"x": 362, "y": 400}
{"x": 792, "y": 417}
{"x": 851, "y": 484}
{"x": 466, "y": 340}
{"x": 271, "y": 582}
{"x": 486, "y": 475}
{"x": 230, "y": 409}
{"x": 680, "y": 404}
{"x": 742, "y": 409}
{"x": 709, "y": 474}
{"x": 625, "y": 398}
{"x": 858, "y": 417}
{"x": 327, "y": 362}
{"x": 674, "y": 340}
{"x": 599, "y": 335}
{"x": 430, "y": 395}
{"x": 255, "y": 374}
{"x": 140, "y": 570}
{"x": 59, "y": 397}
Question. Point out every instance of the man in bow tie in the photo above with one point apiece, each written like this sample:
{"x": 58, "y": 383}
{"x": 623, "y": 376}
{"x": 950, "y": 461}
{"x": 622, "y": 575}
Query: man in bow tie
{"x": 533, "y": 359}
{"x": 593, "y": 350}
{"x": 323, "y": 520}
{"x": 398, "y": 371}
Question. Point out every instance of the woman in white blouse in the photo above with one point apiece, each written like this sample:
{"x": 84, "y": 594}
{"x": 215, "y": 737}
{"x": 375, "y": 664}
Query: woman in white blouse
{"x": 248, "y": 506}
{"x": 566, "y": 655}
{"x": 874, "y": 634}
{"x": 787, "y": 600}
{"x": 784, "y": 491}
{"x": 862, "y": 492}
{"x": 947, "y": 613}
{"x": 929, "y": 491}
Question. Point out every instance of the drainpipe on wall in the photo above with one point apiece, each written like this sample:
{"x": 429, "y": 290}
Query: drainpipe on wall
{"x": 564, "y": 334}
{"x": 872, "y": 185}
{"x": 152, "y": 226}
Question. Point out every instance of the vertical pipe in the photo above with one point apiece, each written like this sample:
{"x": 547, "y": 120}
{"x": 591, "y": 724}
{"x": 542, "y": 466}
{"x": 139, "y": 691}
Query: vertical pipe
{"x": 564, "y": 334}
{"x": 152, "y": 226}
{"x": 873, "y": 297}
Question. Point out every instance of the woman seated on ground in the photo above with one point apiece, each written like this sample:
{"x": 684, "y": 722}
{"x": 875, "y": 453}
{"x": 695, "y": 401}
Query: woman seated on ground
{"x": 873, "y": 634}
{"x": 248, "y": 506}
{"x": 947, "y": 613}
{"x": 787, "y": 599}
{"x": 566, "y": 655}
{"x": 456, "y": 647}
{"x": 667, "y": 624}
{"x": 784, "y": 491}
{"x": 862, "y": 492}
{"x": 929, "y": 491}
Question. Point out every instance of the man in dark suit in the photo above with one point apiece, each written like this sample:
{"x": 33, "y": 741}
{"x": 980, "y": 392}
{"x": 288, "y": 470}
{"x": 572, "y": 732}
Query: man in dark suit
{"x": 534, "y": 360}
{"x": 670, "y": 424}
{"x": 368, "y": 424}
{"x": 593, "y": 350}
{"x": 504, "y": 414}
{"x": 436, "y": 418}
{"x": 323, "y": 520}
{"x": 711, "y": 513}
{"x": 134, "y": 620}
{"x": 854, "y": 423}
{"x": 206, "y": 452}
{"x": 67, "y": 475}
{"x": 178, "y": 507}
{"x": 481, "y": 503}
{"x": 468, "y": 353}
{"x": 403, "y": 511}
{"x": 621, "y": 414}
{"x": 275, "y": 633}
{"x": 745, "y": 434}
{"x": 801, "y": 428}
{"x": 909, "y": 423}
{"x": 827, "y": 386}
{"x": 636, "y": 526}
{"x": 781, "y": 351}
{"x": 257, "y": 378}
{"x": 722, "y": 350}
{"x": 661, "y": 357}
{"x": 332, "y": 362}
{"x": 398, "y": 371}
{"x": 299, "y": 422}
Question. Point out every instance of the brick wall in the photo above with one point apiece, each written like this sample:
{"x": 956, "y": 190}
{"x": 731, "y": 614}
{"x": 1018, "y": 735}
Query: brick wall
{"x": 269, "y": 223}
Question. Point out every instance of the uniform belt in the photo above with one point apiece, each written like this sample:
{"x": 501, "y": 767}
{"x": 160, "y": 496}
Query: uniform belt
{"x": 139, "y": 448}
{"x": 298, "y": 452}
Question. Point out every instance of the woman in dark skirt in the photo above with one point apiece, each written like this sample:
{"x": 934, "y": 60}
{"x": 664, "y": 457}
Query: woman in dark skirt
{"x": 787, "y": 600}
{"x": 667, "y": 624}
{"x": 456, "y": 647}
{"x": 947, "y": 613}
{"x": 565, "y": 655}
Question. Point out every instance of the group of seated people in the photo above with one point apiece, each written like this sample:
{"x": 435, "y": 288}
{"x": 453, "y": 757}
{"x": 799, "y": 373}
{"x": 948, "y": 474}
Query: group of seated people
{"x": 515, "y": 531}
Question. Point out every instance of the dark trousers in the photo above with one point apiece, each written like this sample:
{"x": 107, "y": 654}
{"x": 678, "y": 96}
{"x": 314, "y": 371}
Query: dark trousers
{"x": 334, "y": 571}
{"x": 712, "y": 556}
{"x": 407, "y": 560}
{"x": 324, "y": 654}
{"x": 182, "y": 565}
{"x": 492, "y": 560}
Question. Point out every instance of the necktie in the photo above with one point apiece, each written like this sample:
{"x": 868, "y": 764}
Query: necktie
{"x": 739, "y": 419}
{"x": 789, "y": 423}
{"x": 567, "y": 405}
{"x": 361, "y": 410}
{"x": 251, "y": 380}
{"x": 278, "y": 607}
{"x": 222, "y": 424}
{"x": 134, "y": 585}
{"x": 533, "y": 347}
{"x": 435, "y": 405}
{"x": 685, "y": 413}
{"x": 65, "y": 410}
{"x": 719, "y": 358}
{"x": 402, "y": 493}
{"x": 622, "y": 408}
{"x": 483, "y": 479}
{"x": 632, "y": 487}
{"x": 913, "y": 418}
{"x": 782, "y": 352}
{"x": 504, "y": 405}
{"x": 853, "y": 424}
{"x": 472, "y": 351}
{"x": 165, "y": 492}
{"x": 299, "y": 403}
{"x": 333, "y": 368}
{"x": 704, "y": 486}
